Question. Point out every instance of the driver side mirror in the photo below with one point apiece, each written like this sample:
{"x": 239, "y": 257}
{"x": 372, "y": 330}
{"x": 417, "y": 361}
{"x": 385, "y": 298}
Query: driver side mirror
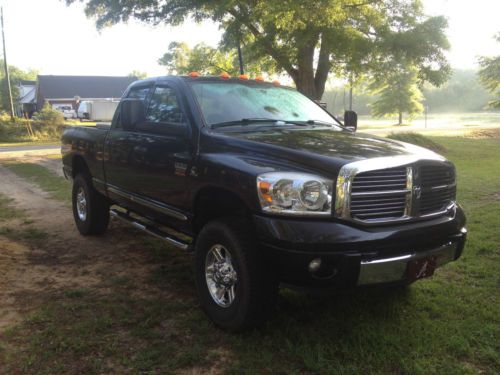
{"x": 132, "y": 112}
{"x": 351, "y": 120}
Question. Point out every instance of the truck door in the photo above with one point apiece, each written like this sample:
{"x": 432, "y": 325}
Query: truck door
{"x": 151, "y": 163}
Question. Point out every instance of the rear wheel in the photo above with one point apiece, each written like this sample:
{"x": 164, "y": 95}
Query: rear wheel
{"x": 236, "y": 289}
{"x": 90, "y": 208}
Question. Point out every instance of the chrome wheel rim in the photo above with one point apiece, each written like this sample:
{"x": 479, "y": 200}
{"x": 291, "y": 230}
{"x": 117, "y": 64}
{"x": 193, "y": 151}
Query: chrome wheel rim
{"x": 220, "y": 275}
{"x": 81, "y": 204}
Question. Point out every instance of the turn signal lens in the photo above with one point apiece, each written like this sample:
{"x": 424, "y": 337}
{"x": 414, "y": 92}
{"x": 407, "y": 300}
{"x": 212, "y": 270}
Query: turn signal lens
{"x": 265, "y": 191}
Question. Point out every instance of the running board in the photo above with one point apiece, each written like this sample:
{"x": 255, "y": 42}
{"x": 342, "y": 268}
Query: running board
{"x": 172, "y": 240}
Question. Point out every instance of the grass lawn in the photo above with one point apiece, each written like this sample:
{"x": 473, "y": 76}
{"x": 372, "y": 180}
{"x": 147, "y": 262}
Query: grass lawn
{"x": 39, "y": 143}
{"x": 434, "y": 120}
{"x": 17, "y": 226}
{"x": 449, "y": 324}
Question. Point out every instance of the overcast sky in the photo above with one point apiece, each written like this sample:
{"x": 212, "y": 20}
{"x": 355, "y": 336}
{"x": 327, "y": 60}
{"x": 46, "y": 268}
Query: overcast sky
{"x": 55, "y": 39}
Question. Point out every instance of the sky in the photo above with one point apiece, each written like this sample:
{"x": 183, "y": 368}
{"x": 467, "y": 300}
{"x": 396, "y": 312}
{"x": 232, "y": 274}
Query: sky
{"x": 52, "y": 38}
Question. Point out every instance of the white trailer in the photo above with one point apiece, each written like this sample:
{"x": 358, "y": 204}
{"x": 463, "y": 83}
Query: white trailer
{"x": 97, "y": 110}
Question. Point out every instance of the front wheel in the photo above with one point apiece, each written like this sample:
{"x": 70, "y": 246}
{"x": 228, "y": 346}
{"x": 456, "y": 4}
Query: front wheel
{"x": 235, "y": 287}
{"x": 90, "y": 208}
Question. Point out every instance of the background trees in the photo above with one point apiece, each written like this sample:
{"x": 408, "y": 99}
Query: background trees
{"x": 489, "y": 74}
{"x": 397, "y": 92}
{"x": 305, "y": 39}
{"x": 16, "y": 75}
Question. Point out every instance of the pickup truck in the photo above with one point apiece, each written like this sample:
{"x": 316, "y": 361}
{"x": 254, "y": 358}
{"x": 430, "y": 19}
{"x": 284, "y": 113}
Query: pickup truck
{"x": 265, "y": 188}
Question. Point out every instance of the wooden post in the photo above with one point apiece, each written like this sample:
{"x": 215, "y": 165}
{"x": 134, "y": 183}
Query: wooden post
{"x": 6, "y": 67}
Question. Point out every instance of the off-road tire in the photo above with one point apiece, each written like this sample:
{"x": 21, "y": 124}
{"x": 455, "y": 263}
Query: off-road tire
{"x": 256, "y": 289}
{"x": 97, "y": 207}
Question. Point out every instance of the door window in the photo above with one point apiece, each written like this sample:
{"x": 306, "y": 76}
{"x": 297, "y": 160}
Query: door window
{"x": 164, "y": 107}
{"x": 139, "y": 93}
{"x": 134, "y": 93}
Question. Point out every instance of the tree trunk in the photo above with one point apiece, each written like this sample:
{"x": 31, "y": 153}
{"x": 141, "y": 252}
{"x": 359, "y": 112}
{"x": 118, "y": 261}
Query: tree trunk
{"x": 305, "y": 83}
{"x": 400, "y": 118}
{"x": 304, "y": 78}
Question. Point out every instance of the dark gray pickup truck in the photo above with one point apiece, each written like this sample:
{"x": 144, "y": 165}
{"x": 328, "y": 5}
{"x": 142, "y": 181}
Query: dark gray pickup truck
{"x": 265, "y": 187}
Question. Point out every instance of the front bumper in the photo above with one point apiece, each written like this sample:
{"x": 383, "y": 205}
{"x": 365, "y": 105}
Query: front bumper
{"x": 355, "y": 255}
{"x": 394, "y": 269}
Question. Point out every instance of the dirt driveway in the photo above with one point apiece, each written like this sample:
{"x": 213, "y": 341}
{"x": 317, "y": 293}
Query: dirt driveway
{"x": 61, "y": 259}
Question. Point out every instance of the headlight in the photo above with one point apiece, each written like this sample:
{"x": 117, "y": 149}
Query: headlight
{"x": 293, "y": 193}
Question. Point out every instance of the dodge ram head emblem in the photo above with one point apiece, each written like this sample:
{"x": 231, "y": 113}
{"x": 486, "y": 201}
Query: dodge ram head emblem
{"x": 417, "y": 191}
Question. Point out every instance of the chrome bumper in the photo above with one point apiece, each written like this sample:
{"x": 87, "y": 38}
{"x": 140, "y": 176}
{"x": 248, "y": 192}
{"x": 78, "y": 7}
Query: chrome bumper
{"x": 386, "y": 270}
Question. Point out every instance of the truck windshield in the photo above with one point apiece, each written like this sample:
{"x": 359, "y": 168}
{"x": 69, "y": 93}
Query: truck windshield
{"x": 231, "y": 102}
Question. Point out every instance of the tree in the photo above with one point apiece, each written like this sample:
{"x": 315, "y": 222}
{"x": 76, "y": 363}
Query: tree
{"x": 397, "y": 92}
{"x": 306, "y": 39}
{"x": 180, "y": 59}
{"x": 489, "y": 75}
{"x": 138, "y": 74}
{"x": 16, "y": 76}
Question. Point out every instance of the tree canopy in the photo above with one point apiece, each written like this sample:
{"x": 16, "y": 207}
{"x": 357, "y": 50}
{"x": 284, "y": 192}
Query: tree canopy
{"x": 180, "y": 59}
{"x": 489, "y": 75}
{"x": 306, "y": 39}
{"x": 138, "y": 74}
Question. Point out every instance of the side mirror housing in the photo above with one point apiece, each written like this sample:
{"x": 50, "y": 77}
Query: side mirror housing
{"x": 351, "y": 120}
{"x": 132, "y": 112}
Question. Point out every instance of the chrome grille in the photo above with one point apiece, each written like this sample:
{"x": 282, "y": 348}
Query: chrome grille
{"x": 379, "y": 194}
{"x": 409, "y": 187}
{"x": 438, "y": 188}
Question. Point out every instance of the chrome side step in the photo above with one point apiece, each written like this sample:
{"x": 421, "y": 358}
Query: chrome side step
{"x": 172, "y": 240}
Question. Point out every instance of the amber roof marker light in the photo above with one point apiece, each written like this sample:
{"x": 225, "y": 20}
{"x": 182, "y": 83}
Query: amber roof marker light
{"x": 193, "y": 74}
{"x": 243, "y": 76}
{"x": 259, "y": 79}
{"x": 224, "y": 75}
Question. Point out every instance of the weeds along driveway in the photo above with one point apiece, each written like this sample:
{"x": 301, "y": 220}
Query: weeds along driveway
{"x": 124, "y": 302}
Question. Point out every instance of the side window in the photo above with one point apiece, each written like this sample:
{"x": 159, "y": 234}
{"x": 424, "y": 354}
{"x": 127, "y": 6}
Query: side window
{"x": 164, "y": 107}
{"x": 139, "y": 93}
{"x": 134, "y": 93}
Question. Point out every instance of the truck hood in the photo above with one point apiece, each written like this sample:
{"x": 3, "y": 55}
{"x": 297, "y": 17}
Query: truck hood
{"x": 320, "y": 148}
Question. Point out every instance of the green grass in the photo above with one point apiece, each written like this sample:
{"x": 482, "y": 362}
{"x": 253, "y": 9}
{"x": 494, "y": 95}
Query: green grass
{"x": 29, "y": 143}
{"x": 449, "y": 324}
{"x": 15, "y": 225}
{"x": 442, "y": 120}
{"x": 419, "y": 140}
{"x": 56, "y": 186}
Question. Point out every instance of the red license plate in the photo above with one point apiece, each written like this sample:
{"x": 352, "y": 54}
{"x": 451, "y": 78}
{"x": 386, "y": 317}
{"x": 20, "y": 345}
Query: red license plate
{"x": 421, "y": 268}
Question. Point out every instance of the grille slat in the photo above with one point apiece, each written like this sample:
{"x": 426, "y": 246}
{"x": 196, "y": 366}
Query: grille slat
{"x": 360, "y": 206}
{"x": 364, "y": 187}
{"x": 378, "y": 209}
{"x": 377, "y": 215}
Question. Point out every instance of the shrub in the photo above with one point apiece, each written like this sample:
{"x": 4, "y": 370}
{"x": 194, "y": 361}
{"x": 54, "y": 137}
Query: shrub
{"x": 47, "y": 126}
{"x": 419, "y": 140}
{"x": 49, "y": 117}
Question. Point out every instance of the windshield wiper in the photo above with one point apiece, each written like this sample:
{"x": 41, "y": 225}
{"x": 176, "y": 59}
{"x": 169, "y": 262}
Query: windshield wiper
{"x": 315, "y": 122}
{"x": 256, "y": 120}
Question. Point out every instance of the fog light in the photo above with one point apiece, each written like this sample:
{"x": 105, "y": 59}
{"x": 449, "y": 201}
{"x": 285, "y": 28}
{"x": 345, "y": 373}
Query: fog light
{"x": 315, "y": 265}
